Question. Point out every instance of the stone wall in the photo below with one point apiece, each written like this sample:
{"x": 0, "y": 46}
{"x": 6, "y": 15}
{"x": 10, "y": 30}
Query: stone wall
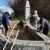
{"x": 27, "y": 45}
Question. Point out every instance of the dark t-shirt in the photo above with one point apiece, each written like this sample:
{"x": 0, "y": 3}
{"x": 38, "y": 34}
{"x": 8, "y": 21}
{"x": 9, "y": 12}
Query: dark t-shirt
{"x": 44, "y": 23}
{"x": 5, "y": 20}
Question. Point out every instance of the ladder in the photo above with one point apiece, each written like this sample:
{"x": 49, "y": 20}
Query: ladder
{"x": 9, "y": 38}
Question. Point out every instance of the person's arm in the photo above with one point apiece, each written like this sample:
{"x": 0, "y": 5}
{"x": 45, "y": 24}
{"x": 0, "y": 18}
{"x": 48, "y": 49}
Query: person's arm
{"x": 7, "y": 20}
{"x": 42, "y": 24}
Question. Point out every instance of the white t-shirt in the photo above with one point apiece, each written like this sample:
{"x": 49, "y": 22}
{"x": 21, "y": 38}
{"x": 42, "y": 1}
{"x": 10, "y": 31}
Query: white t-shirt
{"x": 37, "y": 19}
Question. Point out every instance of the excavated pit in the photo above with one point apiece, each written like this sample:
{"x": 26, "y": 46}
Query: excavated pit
{"x": 26, "y": 33}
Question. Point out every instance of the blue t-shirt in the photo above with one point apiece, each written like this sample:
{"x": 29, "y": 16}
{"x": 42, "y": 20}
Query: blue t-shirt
{"x": 5, "y": 19}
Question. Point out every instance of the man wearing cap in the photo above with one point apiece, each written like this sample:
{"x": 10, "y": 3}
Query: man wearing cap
{"x": 5, "y": 21}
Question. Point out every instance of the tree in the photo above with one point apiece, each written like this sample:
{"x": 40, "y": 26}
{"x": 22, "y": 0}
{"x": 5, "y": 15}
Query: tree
{"x": 43, "y": 7}
{"x": 19, "y": 8}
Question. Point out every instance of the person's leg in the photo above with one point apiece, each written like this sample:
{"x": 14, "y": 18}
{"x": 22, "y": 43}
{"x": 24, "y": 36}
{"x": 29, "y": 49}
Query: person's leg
{"x": 6, "y": 29}
{"x": 45, "y": 30}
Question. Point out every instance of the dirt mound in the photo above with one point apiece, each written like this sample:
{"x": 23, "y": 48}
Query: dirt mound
{"x": 28, "y": 34}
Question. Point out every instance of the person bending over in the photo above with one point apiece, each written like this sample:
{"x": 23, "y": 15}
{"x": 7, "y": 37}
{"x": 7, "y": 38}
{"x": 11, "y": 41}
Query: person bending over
{"x": 44, "y": 26}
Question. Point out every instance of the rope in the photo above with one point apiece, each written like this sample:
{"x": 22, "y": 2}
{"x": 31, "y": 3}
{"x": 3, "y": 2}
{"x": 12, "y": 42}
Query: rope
{"x": 9, "y": 37}
{"x": 15, "y": 40}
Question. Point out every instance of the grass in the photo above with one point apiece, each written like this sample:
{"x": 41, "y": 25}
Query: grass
{"x": 17, "y": 18}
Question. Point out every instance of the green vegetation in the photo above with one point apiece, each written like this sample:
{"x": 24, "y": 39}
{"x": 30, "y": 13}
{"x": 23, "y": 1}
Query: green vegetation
{"x": 17, "y": 18}
{"x": 49, "y": 21}
{"x": 49, "y": 34}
